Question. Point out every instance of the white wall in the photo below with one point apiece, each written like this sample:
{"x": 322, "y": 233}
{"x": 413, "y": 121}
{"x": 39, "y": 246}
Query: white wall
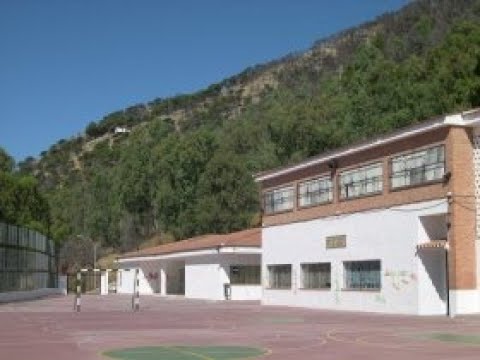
{"x": 246, "y": 292}
{"x": 149, "y": 277}
{"x": 205, "y": 277}
{"x": 125, "y": 281}
{"x": 432, "y": 292}
{"x": 387, "y": 235}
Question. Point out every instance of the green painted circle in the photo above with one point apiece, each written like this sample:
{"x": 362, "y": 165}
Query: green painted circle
{"x": 186, "y": 353}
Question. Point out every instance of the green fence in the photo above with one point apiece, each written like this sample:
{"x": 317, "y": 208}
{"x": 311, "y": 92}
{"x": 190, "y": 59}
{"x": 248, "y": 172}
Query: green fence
{"x": 27, "y": 259}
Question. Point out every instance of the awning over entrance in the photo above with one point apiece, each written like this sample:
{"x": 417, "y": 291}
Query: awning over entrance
{"x": 433, "y": 244}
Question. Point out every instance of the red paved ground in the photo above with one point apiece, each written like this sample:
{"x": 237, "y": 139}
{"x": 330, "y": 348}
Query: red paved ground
{"x": 49, "y": 330}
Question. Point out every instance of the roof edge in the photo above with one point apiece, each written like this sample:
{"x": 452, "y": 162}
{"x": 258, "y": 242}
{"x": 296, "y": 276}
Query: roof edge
{"x": 179, "y": 253}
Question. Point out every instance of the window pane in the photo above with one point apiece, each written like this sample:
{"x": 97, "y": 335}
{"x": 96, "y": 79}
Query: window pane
{"x": 278, "y": 200}
{"x": 316, "y": 276}
{"x": 245, "y": 274}
{"x": 280, "y": 276}
{"x": 418, "y": 167}
{"x": 361, "y": 181}
{"x": 363, "y": 274}
{"x": 315, "y": 192}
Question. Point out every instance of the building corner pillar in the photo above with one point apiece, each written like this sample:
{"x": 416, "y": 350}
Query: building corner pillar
{"x": 462, "y": 272}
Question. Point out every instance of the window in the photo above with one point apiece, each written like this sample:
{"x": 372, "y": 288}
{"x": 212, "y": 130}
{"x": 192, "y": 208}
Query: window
{"x": 278, "y": 200}
{"x": 362, "y": 274}
{"x": 362, "y": 181}
{"x": 314, "y": 192}
{"x": 418, "y": 167}
{"x": 316, "y": 276}
{"x": 280, "y": 276}
{"x": 245, "y": 274}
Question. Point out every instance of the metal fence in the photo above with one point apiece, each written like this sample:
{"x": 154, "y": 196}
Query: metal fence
{"x": 27, "y": 259}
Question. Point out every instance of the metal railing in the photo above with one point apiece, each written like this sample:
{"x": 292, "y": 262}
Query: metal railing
{"x": 27, "y": 259}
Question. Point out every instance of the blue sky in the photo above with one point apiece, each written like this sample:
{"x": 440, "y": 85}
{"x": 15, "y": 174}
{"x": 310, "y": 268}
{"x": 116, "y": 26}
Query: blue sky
{"x": 64, "y": 63}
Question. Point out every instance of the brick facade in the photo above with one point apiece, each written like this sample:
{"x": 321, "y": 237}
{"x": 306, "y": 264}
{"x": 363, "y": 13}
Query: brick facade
{"x": 388, "y": 198}
{"x": 462, "y": 214}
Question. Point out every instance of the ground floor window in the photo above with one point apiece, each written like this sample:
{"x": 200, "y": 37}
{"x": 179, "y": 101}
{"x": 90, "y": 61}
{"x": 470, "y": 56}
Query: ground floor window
{"x": 363, "y": 274}
{"x": 279, "y": 276}
{"x": 316, "y": 276}
{"x": 245, "y": 274}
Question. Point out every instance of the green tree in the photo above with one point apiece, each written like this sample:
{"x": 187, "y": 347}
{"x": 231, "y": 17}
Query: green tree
{"x": 227, "y": 195}
{"x": 6, "y": 161}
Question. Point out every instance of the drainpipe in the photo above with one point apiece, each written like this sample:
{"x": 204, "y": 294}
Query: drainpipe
{"x": 447, "y": 278}
{"x": 447, "y": 249}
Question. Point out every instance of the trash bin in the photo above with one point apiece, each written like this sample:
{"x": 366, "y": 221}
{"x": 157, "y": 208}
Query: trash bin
{"x": 227, "y": 290}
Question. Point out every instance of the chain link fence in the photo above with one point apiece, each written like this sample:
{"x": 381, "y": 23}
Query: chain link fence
{"x": 27, "y": 259}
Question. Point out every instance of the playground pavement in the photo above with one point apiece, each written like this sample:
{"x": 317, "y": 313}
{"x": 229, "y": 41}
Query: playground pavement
{"x": 50, "y": 329}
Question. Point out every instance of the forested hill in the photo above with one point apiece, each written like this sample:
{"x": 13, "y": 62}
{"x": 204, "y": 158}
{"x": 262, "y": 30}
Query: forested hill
{"x": 185, "y": 168}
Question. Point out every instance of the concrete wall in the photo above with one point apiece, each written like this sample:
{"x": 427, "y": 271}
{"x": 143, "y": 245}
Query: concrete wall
{"x": 387, "y": 235}
{"x": 29, "y": 295}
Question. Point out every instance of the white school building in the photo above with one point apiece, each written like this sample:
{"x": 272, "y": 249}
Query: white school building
{"x": 213, "y": 267}
{"x": 389, "y": 225}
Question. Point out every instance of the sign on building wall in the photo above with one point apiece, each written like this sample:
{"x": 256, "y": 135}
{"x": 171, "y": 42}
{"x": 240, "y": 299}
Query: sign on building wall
{"x": 336, "y": 241}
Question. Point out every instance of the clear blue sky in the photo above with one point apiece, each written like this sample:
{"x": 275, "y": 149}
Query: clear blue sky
{"x": 64, "y": 63}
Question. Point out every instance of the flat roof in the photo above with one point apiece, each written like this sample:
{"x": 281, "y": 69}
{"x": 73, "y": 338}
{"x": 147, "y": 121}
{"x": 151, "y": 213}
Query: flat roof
{"x": 467, "y": 118}
{"x": 245, "y": 238}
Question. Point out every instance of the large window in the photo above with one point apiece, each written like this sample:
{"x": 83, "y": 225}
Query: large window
{"x": 278, "y": 200}
{"x": 280, "y": 276}
{"x": 315, "y": 191}
{"x": 418, "y": 167}
{"x": 361, "y": 181}
{"x": 363, "y": 274}
{"x": 245, "y": 274}
{"x": 316, "y": 276}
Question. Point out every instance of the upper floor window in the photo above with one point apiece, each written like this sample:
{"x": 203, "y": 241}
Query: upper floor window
{"x": 278, "y": 200}
{"x": 315, "y": 191}
{"x": 418, "y": 167}
{"x": 361, "y": 181}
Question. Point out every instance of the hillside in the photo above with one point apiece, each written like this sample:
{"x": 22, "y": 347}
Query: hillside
{"x": 185, "y": 169}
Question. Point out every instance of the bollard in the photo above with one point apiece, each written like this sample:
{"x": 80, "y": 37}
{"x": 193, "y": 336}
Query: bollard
{"x": 136, "y": 292}
{"x": 78, "y": 296}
